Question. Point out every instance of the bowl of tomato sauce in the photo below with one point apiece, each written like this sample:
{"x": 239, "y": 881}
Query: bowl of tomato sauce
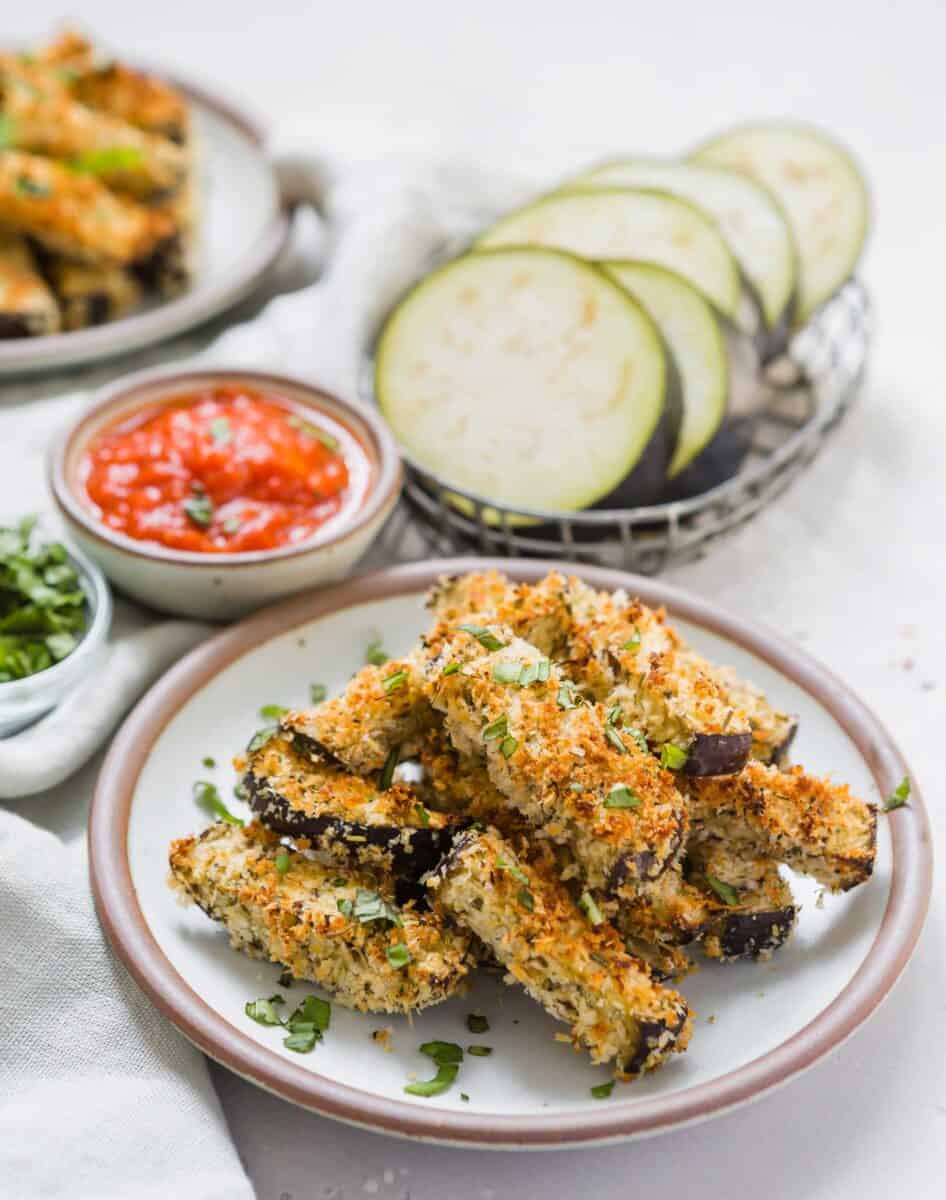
{"x": 208, "y": 493}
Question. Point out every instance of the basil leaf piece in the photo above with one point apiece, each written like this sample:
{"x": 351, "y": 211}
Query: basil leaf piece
{"x": 446, "y": 1075}
{"x": 508, "y": 746}
{"x": 107, "y": 160}
{"x": 451, "y": 668}
{"x": 615, "y": 739}
{"x": 517, "y": 874}
{"x": 273, "y": 712}
{"x": 634, "y": 641}
{"x": 302, "y": 1040}
{"x": 480, "y": 1051}
{"x": 208, "y": 762}
{"x": 496, "y": 729}
{"x": 621, "y": 796}
{"x": 394, "y": 682}
{"x": 260, "y": 738}
{"x": 507, "y": 672}
{"x": 526, "y": 899}
{"x": 374, "y": 655}
{"x": 283, "y": 862}
{"x": 206, "y": 795}
{"x": 317, "y": 692}
{"x": 603, "y": 1090}
{"x": 477, "y": 1023}
{"x": 486, "y": 639}
{"x": 200, "y": 509}
{"x": 442, "y": 1052}
{"x": 638, "y": 737}
{"x": 672, "y": 757}
{"x": 899, "y": 796}
{"x": 387, "y": 771}
{"x": 314, "y": 1012}
{"x": 369, "y": 906}
{"x": 263, "y": 1011}
{"x": 591, "y": 910}
{"x": 725, "y": 891}
{"x": 398, "y": 955}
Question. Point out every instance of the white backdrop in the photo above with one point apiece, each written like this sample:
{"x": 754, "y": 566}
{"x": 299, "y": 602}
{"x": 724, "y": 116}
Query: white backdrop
{"x": 851, "y": 561}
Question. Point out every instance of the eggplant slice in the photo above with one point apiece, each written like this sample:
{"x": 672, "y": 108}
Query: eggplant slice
{"x": 617, "y": 224}
{"x": 27, "y": 307}
{"x": 345, "y": 818}
{"x": 820, "y": 189}
{"x": 748, "y": 216}
{"x": 527, "y": 376}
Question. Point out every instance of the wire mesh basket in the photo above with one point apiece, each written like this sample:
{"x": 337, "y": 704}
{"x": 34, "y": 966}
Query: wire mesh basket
{"x": 803, "y": 397}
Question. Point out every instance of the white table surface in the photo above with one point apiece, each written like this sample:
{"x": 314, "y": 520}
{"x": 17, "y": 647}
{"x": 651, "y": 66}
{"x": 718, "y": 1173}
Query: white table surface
{"x": 852, "y": 562}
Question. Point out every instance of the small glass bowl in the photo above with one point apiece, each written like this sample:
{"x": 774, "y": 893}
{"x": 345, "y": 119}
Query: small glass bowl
{"x": 23, "y": 701}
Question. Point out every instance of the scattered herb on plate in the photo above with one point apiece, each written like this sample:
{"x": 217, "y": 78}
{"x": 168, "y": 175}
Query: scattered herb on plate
{"x": 899, "y": 796}
{"x": 317, "y": 692}
{"x": 208, "y": 797}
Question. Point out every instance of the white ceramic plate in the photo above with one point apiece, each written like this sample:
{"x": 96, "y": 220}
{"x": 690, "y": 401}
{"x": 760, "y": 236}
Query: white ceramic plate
{"x": 242, "y": 230}
{"x": 756, "y": 1025}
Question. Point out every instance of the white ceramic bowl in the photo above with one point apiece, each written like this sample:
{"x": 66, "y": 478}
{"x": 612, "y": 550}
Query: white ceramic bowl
{"x": 23, "y": 701}
{"x": 222, "y": 586}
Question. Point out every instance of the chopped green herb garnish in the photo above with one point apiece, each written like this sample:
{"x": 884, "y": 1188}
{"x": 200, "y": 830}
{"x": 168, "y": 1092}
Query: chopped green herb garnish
{"x": 526, "y": 899}
{"x": 328, "y": 441}
{"x": 451, "y": 668}
{"x": 32, "y": 187}
{"x": 317, "y": 692}
{"x": 513, "y": 870}
{"x": 638, "y": 737}
{"x": 899, "y": 796}
{"x": 477, "y": 1023}
{"x": 283, "y": 862}
{"x": 496, "y": 729}
{"x": 603, "y": 1090}
{"x": 398, "y": 955}
{"x": 43, "y": 609}
{"x": 529, "y": 674}
{"x": 369, "y": 906}
{"x": 672, "y": 756}
{"x": 480, "y": 1051}
{"x": 263, "y": 1011}
{"x": 206, "y": 795}
{"x": 423, "y": 816}
{"x": 507, "y": 672}
{"x": 395, "y": 681}
{"x": 591, "y": 910}
{"x": 446, "y": 1075}
{"x": 260, "y": 738}
{"x": 615, "y": 715}
{"x": 568, "y": 696}
{"x": 442, "y": 1052}
{"x": 508, "y": 746}
{"x": 302, "y": 1040}
{"x": 200, "y": 509}
{"x": 621, "y": 796}
{"x": 339, "y": 881}
{"x": 614, "y": 738}
{"x": 374, "y": 654}
{"x": 725, "y": 891}
{"x": 387, "y": 771}
{"x": 220, "y": 430}
{"x": 486, "y": 639}
{"x": 209, "y": 763}
{"x": 241, "y": 791}
{"x": 7, "y": 131}
{"x": 273, "y": 712}
{"x": 634, "y": 641}
{"x": 108, "y": 160}
{"x": 312, "y": 1011}
{"x": 464, "y": 1097}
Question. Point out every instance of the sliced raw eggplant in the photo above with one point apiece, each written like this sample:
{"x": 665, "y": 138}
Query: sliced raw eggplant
{"x": 749, "y": 217}
{"x": 695, "y": 339}
{"x": 615, "y": 224}
{"x": 528, "y": 377}
{"x": 345, "y": 817}
{"x": 820, "y": 189}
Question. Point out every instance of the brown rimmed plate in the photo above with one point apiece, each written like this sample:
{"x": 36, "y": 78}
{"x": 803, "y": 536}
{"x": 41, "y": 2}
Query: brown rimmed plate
{"x": 769, "y": 1022}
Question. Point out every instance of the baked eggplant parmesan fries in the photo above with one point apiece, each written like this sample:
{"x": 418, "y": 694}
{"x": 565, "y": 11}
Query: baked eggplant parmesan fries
{"x": 553, "y": 781}
{"x": 97, "y": 189}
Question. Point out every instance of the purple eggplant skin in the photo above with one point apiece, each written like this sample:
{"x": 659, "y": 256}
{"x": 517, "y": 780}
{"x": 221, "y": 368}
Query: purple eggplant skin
{"x": 645, "y": 865}
{"x": 718, "y": 753}
{"x": 754, "y": 934}
{"x": 780, "y": 752}
{"x": 651, "y": 1034}
{"x": 413, "y": 851}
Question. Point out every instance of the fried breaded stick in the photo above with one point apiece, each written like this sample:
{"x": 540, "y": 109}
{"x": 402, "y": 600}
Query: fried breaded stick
{"x": 27, "y": 306}
{"x": 773, "y": 731}
{"x": 346, "y": 818}
{"x": 335, "y": 930}
{"x": 812, "y": 825}
{"x": 76, "y": 215}
{"x": 580, "y": 974}
{"x": 380, "y": 709}
{"x": 625, "y": 654}
{"x": 43, "y": 118}
{"x": 91, "y": 295}
{"x": 561, "y": 765}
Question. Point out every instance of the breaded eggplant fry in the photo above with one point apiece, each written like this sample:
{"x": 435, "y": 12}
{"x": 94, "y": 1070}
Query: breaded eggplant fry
{"x": 380, "y": 709}
{"x": 755, "y": 911}
{"x": 664, "y": 962}
{"x": 345, "y": 818}
{"x": 669, "y": 911}
{"x": 27, "y": 306}
{"x": 113, "y": 87}
{"x": 579, "y": 973}
{"x": 624, "y": 653}
{"x": 173, "y": 272}
{"x": 333, "y": 930}
{"x": 76, "y": 215}
{"x": 772, "y": 731}
{"x": 44, "y": 118}
{"x": 91, "y": 295}
{"x": 812, "y": 825}
{"x": 561, "y": 765}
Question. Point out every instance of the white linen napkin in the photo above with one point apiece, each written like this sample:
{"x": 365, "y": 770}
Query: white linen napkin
{"x": 99, "y": 1095}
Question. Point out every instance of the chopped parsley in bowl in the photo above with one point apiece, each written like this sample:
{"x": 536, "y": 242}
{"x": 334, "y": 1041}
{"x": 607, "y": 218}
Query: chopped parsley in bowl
{"x": 55, "y": 610}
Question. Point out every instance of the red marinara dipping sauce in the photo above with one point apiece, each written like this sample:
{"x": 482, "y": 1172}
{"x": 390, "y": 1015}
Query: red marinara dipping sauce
{"x": 224, "y": 469}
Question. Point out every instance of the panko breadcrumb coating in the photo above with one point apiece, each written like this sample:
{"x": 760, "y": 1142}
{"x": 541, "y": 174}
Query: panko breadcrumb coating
{"x": 579, "y": 973}
{"x": 306, "y": 919}
{"x": 561, "y": 765}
